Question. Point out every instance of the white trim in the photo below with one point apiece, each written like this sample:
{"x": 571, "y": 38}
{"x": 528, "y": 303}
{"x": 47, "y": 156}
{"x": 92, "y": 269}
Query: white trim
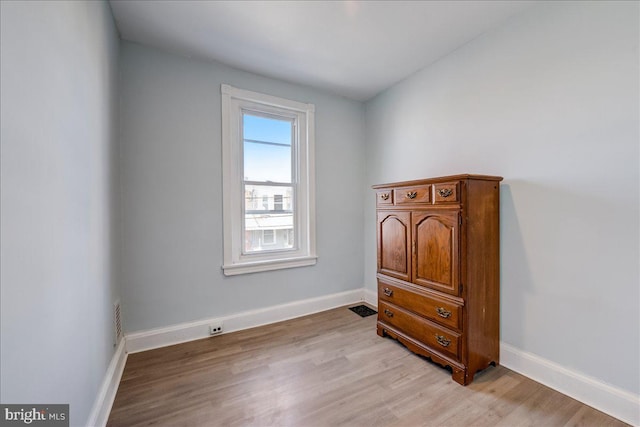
{"x": 234, "y": 102}
{"x": 232, "y": 270}
{"x": 371, "y": 297}
{"x": 104, "y": 400}
{"x": 155, "y": 338}
{"x": 262, "y": 98}
{"x": 604, "y": 397}
{"x": 609, "y": 399}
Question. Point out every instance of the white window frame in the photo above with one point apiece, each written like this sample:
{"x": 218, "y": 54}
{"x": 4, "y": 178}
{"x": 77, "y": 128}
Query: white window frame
{"x": 234, "y": 102}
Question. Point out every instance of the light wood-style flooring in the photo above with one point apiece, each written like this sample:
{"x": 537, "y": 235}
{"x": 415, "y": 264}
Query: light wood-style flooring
{"x": 326, "y": 369}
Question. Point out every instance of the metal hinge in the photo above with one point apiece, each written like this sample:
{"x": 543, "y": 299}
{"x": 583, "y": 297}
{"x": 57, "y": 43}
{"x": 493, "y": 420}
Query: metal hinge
{"x": 461, "y": 287}
{"x": 460, "y": 218}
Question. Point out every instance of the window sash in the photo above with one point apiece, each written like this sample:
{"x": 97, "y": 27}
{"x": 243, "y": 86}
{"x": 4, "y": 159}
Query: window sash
{"x": 292, "y": 119}
{"x": 292, "y": 184}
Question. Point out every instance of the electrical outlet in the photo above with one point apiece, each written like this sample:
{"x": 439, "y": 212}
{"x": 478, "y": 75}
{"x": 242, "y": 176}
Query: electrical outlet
{"x": 215, "y": 328}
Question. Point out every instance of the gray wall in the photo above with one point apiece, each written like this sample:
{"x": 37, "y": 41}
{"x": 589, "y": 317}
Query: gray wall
{"x": 58, "y": 84}
{"x": 172, "y": 197}
{"x": 550, "y": 102}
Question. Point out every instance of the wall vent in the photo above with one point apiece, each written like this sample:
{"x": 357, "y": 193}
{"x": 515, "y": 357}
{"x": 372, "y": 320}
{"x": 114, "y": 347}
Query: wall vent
{"x": 117, "y": 321}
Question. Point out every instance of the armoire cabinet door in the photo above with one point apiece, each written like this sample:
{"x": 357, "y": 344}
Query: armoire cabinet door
{"x": 436, "y": 246}
{"x": 394, "y": 244}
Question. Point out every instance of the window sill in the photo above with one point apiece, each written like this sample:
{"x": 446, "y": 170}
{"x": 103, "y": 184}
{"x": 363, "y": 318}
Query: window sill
{"x": 255, "y": 267}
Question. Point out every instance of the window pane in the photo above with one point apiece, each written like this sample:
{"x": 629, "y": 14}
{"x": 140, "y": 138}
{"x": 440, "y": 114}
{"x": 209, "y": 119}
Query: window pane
{"x": 267, "y": 149}
{"x": 268, "y": 218}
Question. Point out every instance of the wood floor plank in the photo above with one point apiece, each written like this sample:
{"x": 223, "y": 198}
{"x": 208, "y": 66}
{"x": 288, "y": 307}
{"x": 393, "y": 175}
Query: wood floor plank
{"x": 327, "y": 369}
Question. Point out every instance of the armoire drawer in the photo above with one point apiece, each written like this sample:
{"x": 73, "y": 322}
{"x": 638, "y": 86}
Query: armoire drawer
{"x": 444, "y": 312}
{"x": 412, "y": 195}
{"x": 384, "y": 198}
{"x": 445, "y": 193}
{"x": 440, "y": 339}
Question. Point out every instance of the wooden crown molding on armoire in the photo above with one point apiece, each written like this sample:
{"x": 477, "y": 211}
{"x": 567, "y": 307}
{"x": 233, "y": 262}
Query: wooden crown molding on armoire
{"x": 439, "y": 269}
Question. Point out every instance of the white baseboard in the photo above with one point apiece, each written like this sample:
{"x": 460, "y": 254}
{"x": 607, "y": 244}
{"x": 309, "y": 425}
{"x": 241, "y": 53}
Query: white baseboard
{"x": 156, "y": 338}
{"x": 604, "y": 397}
{"x": 611, "y": 400}
{"x": 107, "y": 393}
{"x": 371, "y": 297}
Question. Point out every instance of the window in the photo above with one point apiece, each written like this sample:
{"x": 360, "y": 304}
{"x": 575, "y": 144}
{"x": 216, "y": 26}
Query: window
{"x": 269, "y": 237}
{"x": 268, "y": 182}
{"x": 277, "y": 202}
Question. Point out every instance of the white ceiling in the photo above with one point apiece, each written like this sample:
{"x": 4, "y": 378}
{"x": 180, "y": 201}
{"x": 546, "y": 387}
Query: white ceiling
{"x": 352, "y": 48}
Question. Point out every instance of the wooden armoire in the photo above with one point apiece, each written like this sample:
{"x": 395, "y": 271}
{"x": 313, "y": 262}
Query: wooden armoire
{"x": 438, "y": 269}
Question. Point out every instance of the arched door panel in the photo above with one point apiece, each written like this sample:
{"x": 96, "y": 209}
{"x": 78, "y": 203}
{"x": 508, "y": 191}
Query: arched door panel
{"x": 394, "y": 240}
{"x": 435, "y": 257}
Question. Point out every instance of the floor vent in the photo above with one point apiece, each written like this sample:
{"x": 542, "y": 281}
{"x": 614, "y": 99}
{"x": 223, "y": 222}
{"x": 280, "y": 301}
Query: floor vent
{"x": 363, "y": 310}
{"x": 117, "y": 321}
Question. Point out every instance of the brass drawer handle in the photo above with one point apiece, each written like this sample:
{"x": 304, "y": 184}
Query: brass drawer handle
{"x": 384, "y": 196}
{"x": 388, "y": 312}
{"x": 388, "y": 292}
{"x": 443, "y": 312}
{"x": 445, "y": 192}
{"x": 412, "y": 194}
{"x": 442, "y": 340}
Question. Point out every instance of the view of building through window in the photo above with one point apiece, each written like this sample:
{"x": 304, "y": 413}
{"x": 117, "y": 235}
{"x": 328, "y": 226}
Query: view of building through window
{"x": 268, "y": 183}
